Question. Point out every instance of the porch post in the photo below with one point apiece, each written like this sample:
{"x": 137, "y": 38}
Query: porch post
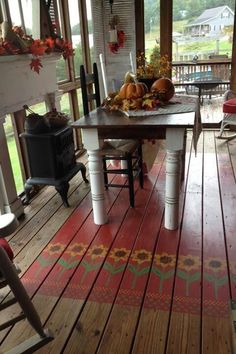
{"x": 139, "y": 26}
{"x": 233, "y": 64}
{"x": 166, "y": 11}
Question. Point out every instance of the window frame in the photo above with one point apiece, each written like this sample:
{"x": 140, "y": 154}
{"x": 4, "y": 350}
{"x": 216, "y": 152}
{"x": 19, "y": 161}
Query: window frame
{"x": 68, "y": 86}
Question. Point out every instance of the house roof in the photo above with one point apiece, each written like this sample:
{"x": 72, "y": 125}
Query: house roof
{"x": 208, "y": 15}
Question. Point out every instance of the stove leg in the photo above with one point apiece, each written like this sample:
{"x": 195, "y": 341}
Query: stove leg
{"x": 27, "y": 188}
{"x": 62, "y": 189}
{"x": 83, "y": 172}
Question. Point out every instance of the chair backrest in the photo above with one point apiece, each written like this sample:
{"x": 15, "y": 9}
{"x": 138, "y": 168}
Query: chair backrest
{"x": 114, "y": 84}
{"x": 90, "y": 92}
{"x": 104, "y": 75}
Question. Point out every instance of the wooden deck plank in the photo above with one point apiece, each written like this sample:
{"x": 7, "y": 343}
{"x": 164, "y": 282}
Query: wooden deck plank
{"x": 152, "y": 330}
{"x": 82, "y": 215}
{"x": 74, "y": 300}
{"x": 41, "y": 199}
{"x": 228, "y": 195}
{"x": 40, "y": 218}
{"x": 104, "y": 239}
{"x": 215, "y": 310}
{"x": 42, "y": 236}
{"x": 232, "y": 153}
{"x": 129, "y": 290}
{"x": 49, "y": 284}
{"x": 185, "y": 321}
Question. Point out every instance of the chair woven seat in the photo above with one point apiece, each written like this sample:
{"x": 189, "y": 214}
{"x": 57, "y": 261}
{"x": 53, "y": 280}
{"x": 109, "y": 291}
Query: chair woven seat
{"x": 123, "y": 150}
{"x": 230, "y": 106}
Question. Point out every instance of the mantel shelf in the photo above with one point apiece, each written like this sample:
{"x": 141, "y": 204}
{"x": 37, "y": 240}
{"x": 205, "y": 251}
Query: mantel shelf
{"x": 19, "y": 85}
{"x": 27, "y": 57}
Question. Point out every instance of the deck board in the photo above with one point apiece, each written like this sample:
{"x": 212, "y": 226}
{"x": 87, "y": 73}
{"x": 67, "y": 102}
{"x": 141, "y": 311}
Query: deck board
{"x": 185, "y": 321}
{"x": 94, "y": 292}
{"x": 215, "y": 334}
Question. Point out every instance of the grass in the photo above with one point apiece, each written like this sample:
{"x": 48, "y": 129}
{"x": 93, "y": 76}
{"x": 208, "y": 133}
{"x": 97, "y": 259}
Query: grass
{"x": 15, "y": 164}
{"x": 12, "y": 149}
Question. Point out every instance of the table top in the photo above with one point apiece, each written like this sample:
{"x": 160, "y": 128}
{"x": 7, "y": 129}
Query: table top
{"x": 100, "y": 117}
{"x": 182, "y": 111}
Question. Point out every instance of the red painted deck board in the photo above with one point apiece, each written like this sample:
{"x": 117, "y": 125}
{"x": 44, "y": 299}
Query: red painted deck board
{"x": 215, "y": 285}
{"x": 131, "y": 286}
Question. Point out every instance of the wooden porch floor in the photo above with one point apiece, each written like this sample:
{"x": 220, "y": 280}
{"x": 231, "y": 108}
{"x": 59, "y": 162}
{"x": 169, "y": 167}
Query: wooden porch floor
{"x": 131, "y": 286}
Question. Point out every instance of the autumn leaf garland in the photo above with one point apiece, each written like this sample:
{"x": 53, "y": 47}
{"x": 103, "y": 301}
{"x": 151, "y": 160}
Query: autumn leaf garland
{"x": 16, "y": 42}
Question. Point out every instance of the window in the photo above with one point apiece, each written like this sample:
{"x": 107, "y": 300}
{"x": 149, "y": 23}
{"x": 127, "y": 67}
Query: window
{"x": 190, "y": 39}
{"x": 90, "y": 29}
{"x": 74, "y": 25}
{"x": 151, "y": 25}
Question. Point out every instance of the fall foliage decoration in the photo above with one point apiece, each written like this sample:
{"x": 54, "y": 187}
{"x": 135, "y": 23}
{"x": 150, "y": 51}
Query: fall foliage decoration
{"x": 114, "y": 47}
{"x": 147, "y": 102}
{"x": 136, "y": 96}
{"x": 116, "y": 37}
{"x": 158, "y": 66}
{"x": 14, "y": 41}
{"x": 35, "y": 65}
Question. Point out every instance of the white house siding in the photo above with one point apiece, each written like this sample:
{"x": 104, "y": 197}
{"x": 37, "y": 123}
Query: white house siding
{"x": 219, "y": 23}
{"x": 214, "y": 24}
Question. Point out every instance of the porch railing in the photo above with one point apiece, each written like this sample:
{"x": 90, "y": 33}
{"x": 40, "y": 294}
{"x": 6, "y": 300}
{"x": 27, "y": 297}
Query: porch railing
{"x": 215, "y": 69}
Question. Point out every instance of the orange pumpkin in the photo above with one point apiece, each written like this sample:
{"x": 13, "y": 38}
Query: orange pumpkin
{"x": 164, "y": 88}
{"x": 133, "y": 90}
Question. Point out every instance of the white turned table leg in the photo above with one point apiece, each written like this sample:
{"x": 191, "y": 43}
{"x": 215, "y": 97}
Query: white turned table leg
{"x": 97, "y": 187}
{"x": 174, "y": 146}
{"x": 92, "y": 144}
{"x": 172, "y": 189}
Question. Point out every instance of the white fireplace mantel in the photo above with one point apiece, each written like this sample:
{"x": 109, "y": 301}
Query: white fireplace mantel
{"x": 19, "y": 86}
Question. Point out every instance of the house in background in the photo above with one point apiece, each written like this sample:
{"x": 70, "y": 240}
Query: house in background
{"x": 211, "y": 22}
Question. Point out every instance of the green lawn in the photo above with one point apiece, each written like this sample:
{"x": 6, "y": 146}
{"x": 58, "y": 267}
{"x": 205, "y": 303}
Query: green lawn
{"x": 13, "y": 154}
{"x": 15, "y": 163}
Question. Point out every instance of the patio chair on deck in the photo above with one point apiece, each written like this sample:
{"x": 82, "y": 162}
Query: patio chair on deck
{"x": 229, "y": 111}
{"x": 130, "y": 152}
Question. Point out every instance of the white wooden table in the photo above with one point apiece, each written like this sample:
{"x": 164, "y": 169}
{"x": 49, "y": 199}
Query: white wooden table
{"x": 100, "y": 124}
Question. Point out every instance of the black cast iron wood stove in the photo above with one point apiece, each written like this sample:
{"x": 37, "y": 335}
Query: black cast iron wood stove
{"x": 52, "y": 161}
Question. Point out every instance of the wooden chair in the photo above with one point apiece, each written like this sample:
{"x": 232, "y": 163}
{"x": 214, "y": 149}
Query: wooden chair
{"x": 129, "y": 154}
{"x": 9, "y": 276}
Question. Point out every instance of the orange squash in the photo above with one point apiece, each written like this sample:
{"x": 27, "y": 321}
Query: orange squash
{"x": 164, "y": 89}
{"x": 133, "y": 90}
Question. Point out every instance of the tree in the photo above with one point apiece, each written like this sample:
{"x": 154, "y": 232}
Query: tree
{"x": 152, "y": 13}
{"x": 76, "y": 28}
